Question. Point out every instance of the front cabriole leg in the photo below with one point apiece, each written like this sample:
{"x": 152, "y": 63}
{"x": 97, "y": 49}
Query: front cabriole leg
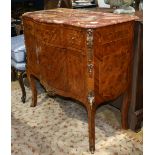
{"x": 91, "y": 109}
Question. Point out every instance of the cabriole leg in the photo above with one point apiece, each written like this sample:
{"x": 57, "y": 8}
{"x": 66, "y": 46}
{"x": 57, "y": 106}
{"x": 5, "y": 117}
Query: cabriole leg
{"x": 34, "y": 90}
{"x": 125, "y": 110}
{"x": 91, "y": 128}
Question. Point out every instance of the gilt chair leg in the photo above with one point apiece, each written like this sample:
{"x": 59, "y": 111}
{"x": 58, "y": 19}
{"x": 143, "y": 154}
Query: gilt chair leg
{"x": 21, "y": 83}
{"x": 13, "y": 74}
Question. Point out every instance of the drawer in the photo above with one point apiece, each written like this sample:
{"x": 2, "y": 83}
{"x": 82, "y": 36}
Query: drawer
{"x": 111, "y": 33}
{"x": 48, "y": 34}
{"x": 117, "y": 46}
{"x": 74, "y": 39}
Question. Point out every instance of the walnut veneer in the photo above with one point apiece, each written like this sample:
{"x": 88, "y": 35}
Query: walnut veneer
{"x": 80, "y": 54}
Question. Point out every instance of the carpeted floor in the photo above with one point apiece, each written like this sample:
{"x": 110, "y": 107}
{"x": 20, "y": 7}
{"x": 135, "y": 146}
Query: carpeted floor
{"x": 59, "y": 127}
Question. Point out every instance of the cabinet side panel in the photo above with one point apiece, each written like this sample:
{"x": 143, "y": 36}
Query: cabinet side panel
{"x": 113, "y": 60}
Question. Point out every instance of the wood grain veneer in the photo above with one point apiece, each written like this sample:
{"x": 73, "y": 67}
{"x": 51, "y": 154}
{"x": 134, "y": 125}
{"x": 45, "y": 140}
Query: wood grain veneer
{"x": 81, "y": 54}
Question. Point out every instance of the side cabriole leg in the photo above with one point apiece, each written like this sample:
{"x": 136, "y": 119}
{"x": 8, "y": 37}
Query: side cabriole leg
{"x": 32, "y": 82}
{"x": 125, "y": 110}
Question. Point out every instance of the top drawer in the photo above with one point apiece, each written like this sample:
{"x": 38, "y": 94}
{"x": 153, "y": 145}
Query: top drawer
{"x": 48, "y": 34}
{"x": 111, "y": 33}
{"x": 74, "y": 38}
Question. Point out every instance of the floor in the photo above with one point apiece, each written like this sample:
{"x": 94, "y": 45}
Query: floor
{"x": 59, "y": 127}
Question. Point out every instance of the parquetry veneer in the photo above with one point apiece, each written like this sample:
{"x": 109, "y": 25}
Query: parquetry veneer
{"x": 80, "y": 54}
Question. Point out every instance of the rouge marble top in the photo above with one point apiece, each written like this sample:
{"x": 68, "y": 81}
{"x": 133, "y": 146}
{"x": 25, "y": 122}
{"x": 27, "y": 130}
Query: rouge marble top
{"x": 79, "y": 18}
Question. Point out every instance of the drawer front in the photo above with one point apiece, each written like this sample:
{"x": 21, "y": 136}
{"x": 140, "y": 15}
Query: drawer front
{"x": 49, "y": 34}
{"x": 111, "y": 33}
{"x": 74, "y": 38}
{"x": 111, "y": 48}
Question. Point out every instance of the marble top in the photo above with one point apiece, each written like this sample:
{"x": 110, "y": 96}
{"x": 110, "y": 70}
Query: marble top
{"x": 78, "y": 18}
